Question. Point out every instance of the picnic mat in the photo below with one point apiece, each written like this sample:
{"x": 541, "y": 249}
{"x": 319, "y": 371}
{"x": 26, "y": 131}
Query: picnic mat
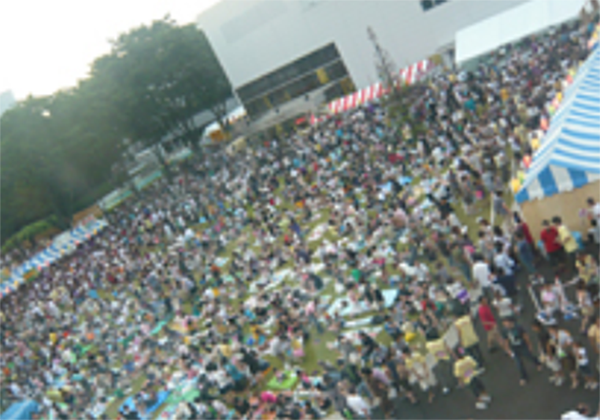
{"x": 162, "y": 396}
{"x": 351, "y": 309}
{"x": 177, "y": 396}
{"x": 159, "y": 326}
{"x": 286, "y": 384}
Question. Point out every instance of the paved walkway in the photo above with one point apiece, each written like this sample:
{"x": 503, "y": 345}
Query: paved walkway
{"x": 539, "y": 399}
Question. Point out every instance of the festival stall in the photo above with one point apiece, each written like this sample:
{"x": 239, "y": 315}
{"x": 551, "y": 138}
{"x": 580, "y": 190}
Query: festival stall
{"x": 565, "y": 170}
{"x": 408, "y": 75}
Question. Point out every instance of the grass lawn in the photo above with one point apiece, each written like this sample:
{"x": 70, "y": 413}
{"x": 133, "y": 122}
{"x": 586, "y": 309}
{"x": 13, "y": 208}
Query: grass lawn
{"x": 316, "y": 348}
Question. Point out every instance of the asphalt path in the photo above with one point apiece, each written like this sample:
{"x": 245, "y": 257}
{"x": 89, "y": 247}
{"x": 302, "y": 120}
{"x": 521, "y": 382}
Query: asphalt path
{"x": 538, "y": 399}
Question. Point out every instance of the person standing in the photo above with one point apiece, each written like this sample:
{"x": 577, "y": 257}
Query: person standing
{"x": 467, "y": 338}
{"x": 547, "y": 351}
{"x": 466, "y": 372}
{"x": 482, "y": 275}
{"x": 525, "y": 253}
{"x": 562, "y": 342}
{"x": 379, "y": 389}
{"x": 519, "y": 346}
{"x": 421, "y": 372}
{"x": 593, "y": 209}
{"x": 442, "y": 368}
{"x": 552, "y": 246}
{"x": 500, "y": 206}
{"x": 584, "y": 302}
{"x": 522, "y": 228}
{"x": 583, "y": 365}
{"x": 593, "y": 334}
{"x": 489, "y": 324}
{"x": 566, "y": 239}
{"x": 399, "y": 377}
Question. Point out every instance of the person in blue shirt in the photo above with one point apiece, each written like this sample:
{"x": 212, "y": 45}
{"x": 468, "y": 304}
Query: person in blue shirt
{"x": 523, "y": 250}
{"x": 508, "y": 282}
{"x": 239, "y": 380}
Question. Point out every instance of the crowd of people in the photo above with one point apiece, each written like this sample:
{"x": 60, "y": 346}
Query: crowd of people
{"x": 354, "y": 233}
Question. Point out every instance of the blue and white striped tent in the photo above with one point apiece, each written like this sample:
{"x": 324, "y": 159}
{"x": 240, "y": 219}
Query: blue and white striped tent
{"x": 52, "y": 253}
{"x": 569, "y": 156}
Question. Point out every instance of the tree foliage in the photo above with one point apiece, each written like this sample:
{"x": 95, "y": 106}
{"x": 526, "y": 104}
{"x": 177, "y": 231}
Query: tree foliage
{"x": 58, "y": 148}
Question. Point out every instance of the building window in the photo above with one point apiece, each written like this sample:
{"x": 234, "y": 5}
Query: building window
{"x": 430, "y": 4}
{"x": 299, "y": 77}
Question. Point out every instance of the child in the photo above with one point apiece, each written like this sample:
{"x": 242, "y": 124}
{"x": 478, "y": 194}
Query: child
{"x": 583, "y": 365}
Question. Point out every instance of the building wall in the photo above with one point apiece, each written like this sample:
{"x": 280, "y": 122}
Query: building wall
{"x": 253, "y": 37}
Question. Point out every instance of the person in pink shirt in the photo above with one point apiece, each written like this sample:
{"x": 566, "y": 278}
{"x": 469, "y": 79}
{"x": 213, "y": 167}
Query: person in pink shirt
{"x": 268, "y": 397}
{"x": 311, "y": 312}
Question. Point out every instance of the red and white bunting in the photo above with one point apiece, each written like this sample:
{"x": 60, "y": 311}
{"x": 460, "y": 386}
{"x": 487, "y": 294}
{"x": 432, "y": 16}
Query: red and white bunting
{"x": 408, "y": 75}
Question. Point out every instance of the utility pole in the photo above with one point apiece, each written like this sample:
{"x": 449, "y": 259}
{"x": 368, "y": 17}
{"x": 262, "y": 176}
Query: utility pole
{"x": 384, "y": 64}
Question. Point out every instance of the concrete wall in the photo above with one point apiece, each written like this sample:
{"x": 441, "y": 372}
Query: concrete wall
{"x": 253, "y": 37}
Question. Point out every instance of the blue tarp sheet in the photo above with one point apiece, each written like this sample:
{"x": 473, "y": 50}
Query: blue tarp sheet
{"x": 20, "y": 411}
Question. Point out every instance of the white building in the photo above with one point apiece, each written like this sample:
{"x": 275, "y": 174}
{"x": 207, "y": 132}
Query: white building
{"x": 277, "y": 53}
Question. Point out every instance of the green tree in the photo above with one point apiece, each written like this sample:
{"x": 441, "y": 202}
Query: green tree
{"x": 59, "y": 151}
{"x": 161, "y": 76}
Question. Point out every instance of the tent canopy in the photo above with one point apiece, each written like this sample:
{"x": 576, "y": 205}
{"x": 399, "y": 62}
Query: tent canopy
{"x": 63, "y": 244}
{"x": 569, "y": 156}
{"x": 512, "y": 25}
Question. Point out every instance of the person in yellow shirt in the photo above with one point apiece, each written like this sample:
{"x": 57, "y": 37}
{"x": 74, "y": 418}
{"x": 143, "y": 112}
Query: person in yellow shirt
{"x": 504, "y": 94}
{"x": 567, "y": 241}
{"x": 467, "y": 337}
{"x": 587, "y": 269}
{"x": 225, "y": 349}
{"x": 466, "y": 372}
{"x": 442, "y": 367}
{"x": 420, "y": 371}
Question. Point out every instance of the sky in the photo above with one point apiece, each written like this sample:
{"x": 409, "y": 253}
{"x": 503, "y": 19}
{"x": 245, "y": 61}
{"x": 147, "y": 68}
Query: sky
{"x": 48, "y": 45}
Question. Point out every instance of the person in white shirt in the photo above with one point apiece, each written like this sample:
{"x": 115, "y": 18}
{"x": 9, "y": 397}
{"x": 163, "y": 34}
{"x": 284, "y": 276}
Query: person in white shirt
{"x": 581, "y": 413}
{"x": 481, "y": 274}
{"x": 503, "y": 260}
{"x": 357, "y": 404}
{"x": 593, "y": 210}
